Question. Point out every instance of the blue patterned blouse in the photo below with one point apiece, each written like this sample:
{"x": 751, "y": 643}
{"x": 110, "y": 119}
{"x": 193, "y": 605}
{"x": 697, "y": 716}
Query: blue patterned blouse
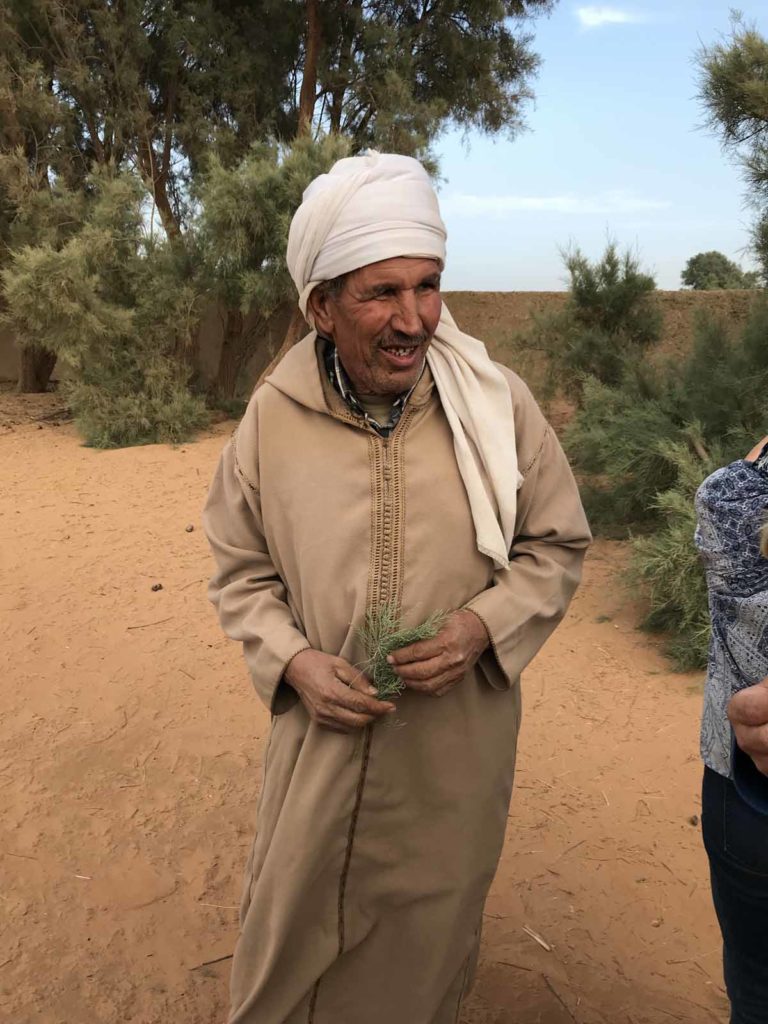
{"x": 732, "y": 506}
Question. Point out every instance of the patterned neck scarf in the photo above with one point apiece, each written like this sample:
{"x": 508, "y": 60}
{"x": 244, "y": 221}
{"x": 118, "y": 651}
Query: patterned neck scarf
{"x": 340, "y": 380}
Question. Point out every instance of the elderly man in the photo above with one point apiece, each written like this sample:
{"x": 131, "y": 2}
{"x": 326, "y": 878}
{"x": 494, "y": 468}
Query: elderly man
{"x": 385, "y": 463}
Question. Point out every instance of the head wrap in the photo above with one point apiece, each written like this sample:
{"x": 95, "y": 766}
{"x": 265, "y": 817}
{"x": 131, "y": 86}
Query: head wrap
{"x": 379, "y": 206}
{"x": 365, "y": 209}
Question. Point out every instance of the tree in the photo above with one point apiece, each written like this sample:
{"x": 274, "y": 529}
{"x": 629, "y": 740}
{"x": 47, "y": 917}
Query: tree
{"x": 388, "y": 75}
{"x": 160, "y": 86}
{"x": 393, "y": 75}
{"x": 733, "y": 87}
{"x": 243, "y": 232}
{"x": 645, "y": 444}
{"x": 36, "y": 143}
{"x": 611, "y": 316}
{"x": 712, "y": 270}
{"x": 156, "y": 85}
{"x": 172, "y": 90}
{"x": 145, "y": 85}
{"x": 115, "y": 306}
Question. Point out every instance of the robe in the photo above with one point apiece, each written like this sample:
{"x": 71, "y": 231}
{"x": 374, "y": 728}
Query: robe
{"x": 374, "y": 851}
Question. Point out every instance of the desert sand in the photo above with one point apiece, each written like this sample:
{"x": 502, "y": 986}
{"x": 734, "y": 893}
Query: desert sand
{"x": 130, "y": 762}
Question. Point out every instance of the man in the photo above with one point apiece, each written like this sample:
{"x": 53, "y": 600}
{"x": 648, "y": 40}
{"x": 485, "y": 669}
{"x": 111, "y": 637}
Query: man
{"x": 385, "y": 463}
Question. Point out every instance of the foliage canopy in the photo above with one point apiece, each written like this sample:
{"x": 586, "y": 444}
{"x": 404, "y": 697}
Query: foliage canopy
{"x": 733, "y": 89}
{"x": 713, "y": 270}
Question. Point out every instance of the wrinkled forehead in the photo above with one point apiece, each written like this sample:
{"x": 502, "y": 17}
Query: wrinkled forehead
{"x": 366, "y": 210}
{"x": 402, "y": 271}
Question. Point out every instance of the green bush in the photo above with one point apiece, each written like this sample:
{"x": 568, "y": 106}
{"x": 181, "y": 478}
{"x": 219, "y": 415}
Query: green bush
{"x": 646, "y": 443}
{"x": 609, "y": 319}
{"x": 665, "y": 565}
{"x": 618, "y": 441}
{"x": 119, "y": 309}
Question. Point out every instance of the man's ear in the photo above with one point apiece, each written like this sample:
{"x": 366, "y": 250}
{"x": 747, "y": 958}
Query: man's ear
{"x": 320, "y": 305}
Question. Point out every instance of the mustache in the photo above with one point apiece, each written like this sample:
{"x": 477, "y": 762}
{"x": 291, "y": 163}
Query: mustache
{"x": 397, "y": 339}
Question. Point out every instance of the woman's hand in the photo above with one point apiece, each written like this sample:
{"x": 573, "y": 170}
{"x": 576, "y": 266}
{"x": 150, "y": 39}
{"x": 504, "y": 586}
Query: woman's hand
{"x": 757, "y": 449}
{"x": 748, "y": 714}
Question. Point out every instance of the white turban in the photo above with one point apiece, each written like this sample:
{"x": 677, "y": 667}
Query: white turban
{"x": 379, "y": 206}
{"x": 367, "y": 208}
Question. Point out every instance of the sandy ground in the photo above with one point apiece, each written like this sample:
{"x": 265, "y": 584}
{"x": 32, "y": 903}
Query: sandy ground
{"x": 130, "y": 762}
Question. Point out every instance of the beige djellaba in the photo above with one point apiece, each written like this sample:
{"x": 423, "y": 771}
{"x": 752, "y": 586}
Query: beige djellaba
{"x": 374, "y": 852}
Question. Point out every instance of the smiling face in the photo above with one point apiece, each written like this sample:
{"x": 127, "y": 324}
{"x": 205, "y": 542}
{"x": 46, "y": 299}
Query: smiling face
{"x": 382, "y": 322}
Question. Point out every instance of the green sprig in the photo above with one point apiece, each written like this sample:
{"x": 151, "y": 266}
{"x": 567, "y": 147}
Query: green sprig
{"x": 381, "y": 634}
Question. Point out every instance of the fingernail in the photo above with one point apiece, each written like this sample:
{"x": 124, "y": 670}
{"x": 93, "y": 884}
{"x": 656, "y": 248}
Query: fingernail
{"x": 390, "y": 660}
{"x": 391, "y": 709}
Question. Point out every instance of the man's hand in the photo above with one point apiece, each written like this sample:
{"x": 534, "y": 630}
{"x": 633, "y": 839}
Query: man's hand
{"x": 335, "y": 694}
{"x": 434, "y": 667}
{"x": 748, "y": 714}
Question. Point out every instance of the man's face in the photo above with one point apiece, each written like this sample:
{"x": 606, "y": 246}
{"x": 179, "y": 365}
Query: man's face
{"x": 382, "y": 322}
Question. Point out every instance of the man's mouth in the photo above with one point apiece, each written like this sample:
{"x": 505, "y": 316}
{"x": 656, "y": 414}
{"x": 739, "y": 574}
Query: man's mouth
{"x": 401, "y": 357}
{"x": 400, "y": 350}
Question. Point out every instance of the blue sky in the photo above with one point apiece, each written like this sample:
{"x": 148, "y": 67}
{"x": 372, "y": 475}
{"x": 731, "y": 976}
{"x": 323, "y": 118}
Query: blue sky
{"x": 615, "y": 147}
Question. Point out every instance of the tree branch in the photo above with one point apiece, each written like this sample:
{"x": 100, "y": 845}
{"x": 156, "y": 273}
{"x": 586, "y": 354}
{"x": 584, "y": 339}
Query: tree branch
{"x": 308, "y": 95}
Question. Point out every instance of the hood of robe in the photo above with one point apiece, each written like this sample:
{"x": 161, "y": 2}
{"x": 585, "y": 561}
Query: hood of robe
{"x": 297, "y": 375}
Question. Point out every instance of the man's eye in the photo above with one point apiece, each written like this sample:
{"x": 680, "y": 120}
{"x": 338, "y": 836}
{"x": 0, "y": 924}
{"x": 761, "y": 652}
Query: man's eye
{"x": 429, "y": 286}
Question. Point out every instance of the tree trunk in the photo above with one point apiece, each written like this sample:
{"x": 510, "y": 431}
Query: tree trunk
{"x": 36, "y": 367}
{"x": 156, "y": 183}
{"x": 309, "y": 76}
{"x": 233, "y": 356}
{"x": 292, "y": 335}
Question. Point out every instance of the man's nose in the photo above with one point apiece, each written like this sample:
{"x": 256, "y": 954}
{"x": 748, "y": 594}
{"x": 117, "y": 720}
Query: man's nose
{"x": 407, "y": 319}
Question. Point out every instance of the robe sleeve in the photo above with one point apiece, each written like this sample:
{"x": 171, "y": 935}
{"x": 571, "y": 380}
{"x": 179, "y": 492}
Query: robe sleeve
{"x": 525, "y": 603}
{"x": 247, "y": 591}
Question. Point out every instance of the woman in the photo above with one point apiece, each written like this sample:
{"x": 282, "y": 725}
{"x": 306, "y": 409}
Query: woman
{"x": 732, "y": 509}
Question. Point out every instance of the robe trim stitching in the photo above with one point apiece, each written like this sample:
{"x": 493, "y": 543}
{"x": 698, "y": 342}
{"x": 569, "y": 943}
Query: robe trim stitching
{"x": 352, "y": 831}
{"x": 313, "y": 1001}
{"x": 347, "y": 861}
{"x": 537, "y": 453}
{"x": 398, "y": 513}
{"x": 375, "y": 461}
{"x": 465, "y": 980}
{"x": 238, "y": 467}
{"x": 384, "y": 582}
{"x": 493, "y": 646}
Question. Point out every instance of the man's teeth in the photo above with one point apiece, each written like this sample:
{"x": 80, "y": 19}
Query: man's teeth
{"x": 399, "y": 351}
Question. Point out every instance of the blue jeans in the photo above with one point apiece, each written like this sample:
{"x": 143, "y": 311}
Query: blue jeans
{"x": 736, "y": 841}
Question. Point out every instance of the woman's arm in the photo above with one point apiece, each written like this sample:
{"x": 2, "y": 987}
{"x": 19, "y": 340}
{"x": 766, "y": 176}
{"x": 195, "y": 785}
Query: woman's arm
{"x": 757, "y": 449}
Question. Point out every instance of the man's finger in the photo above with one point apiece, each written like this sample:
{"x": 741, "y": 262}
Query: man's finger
{"x": 433, "y": 685}
{"x": 421, "y": 671}
{"x": 355, "y": 679}
{"x": 344, "y": 718}
{"x": 332, "y": 725}
{"x": 352, "y": 700}
{"x": 750, "y": 706}
{"x": 422, "y": 650}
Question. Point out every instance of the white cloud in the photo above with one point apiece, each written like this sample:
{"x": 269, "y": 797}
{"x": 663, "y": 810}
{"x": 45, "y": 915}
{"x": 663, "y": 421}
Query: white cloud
{"x": 616, "y": 202}
{"x": 595, "y": 17}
